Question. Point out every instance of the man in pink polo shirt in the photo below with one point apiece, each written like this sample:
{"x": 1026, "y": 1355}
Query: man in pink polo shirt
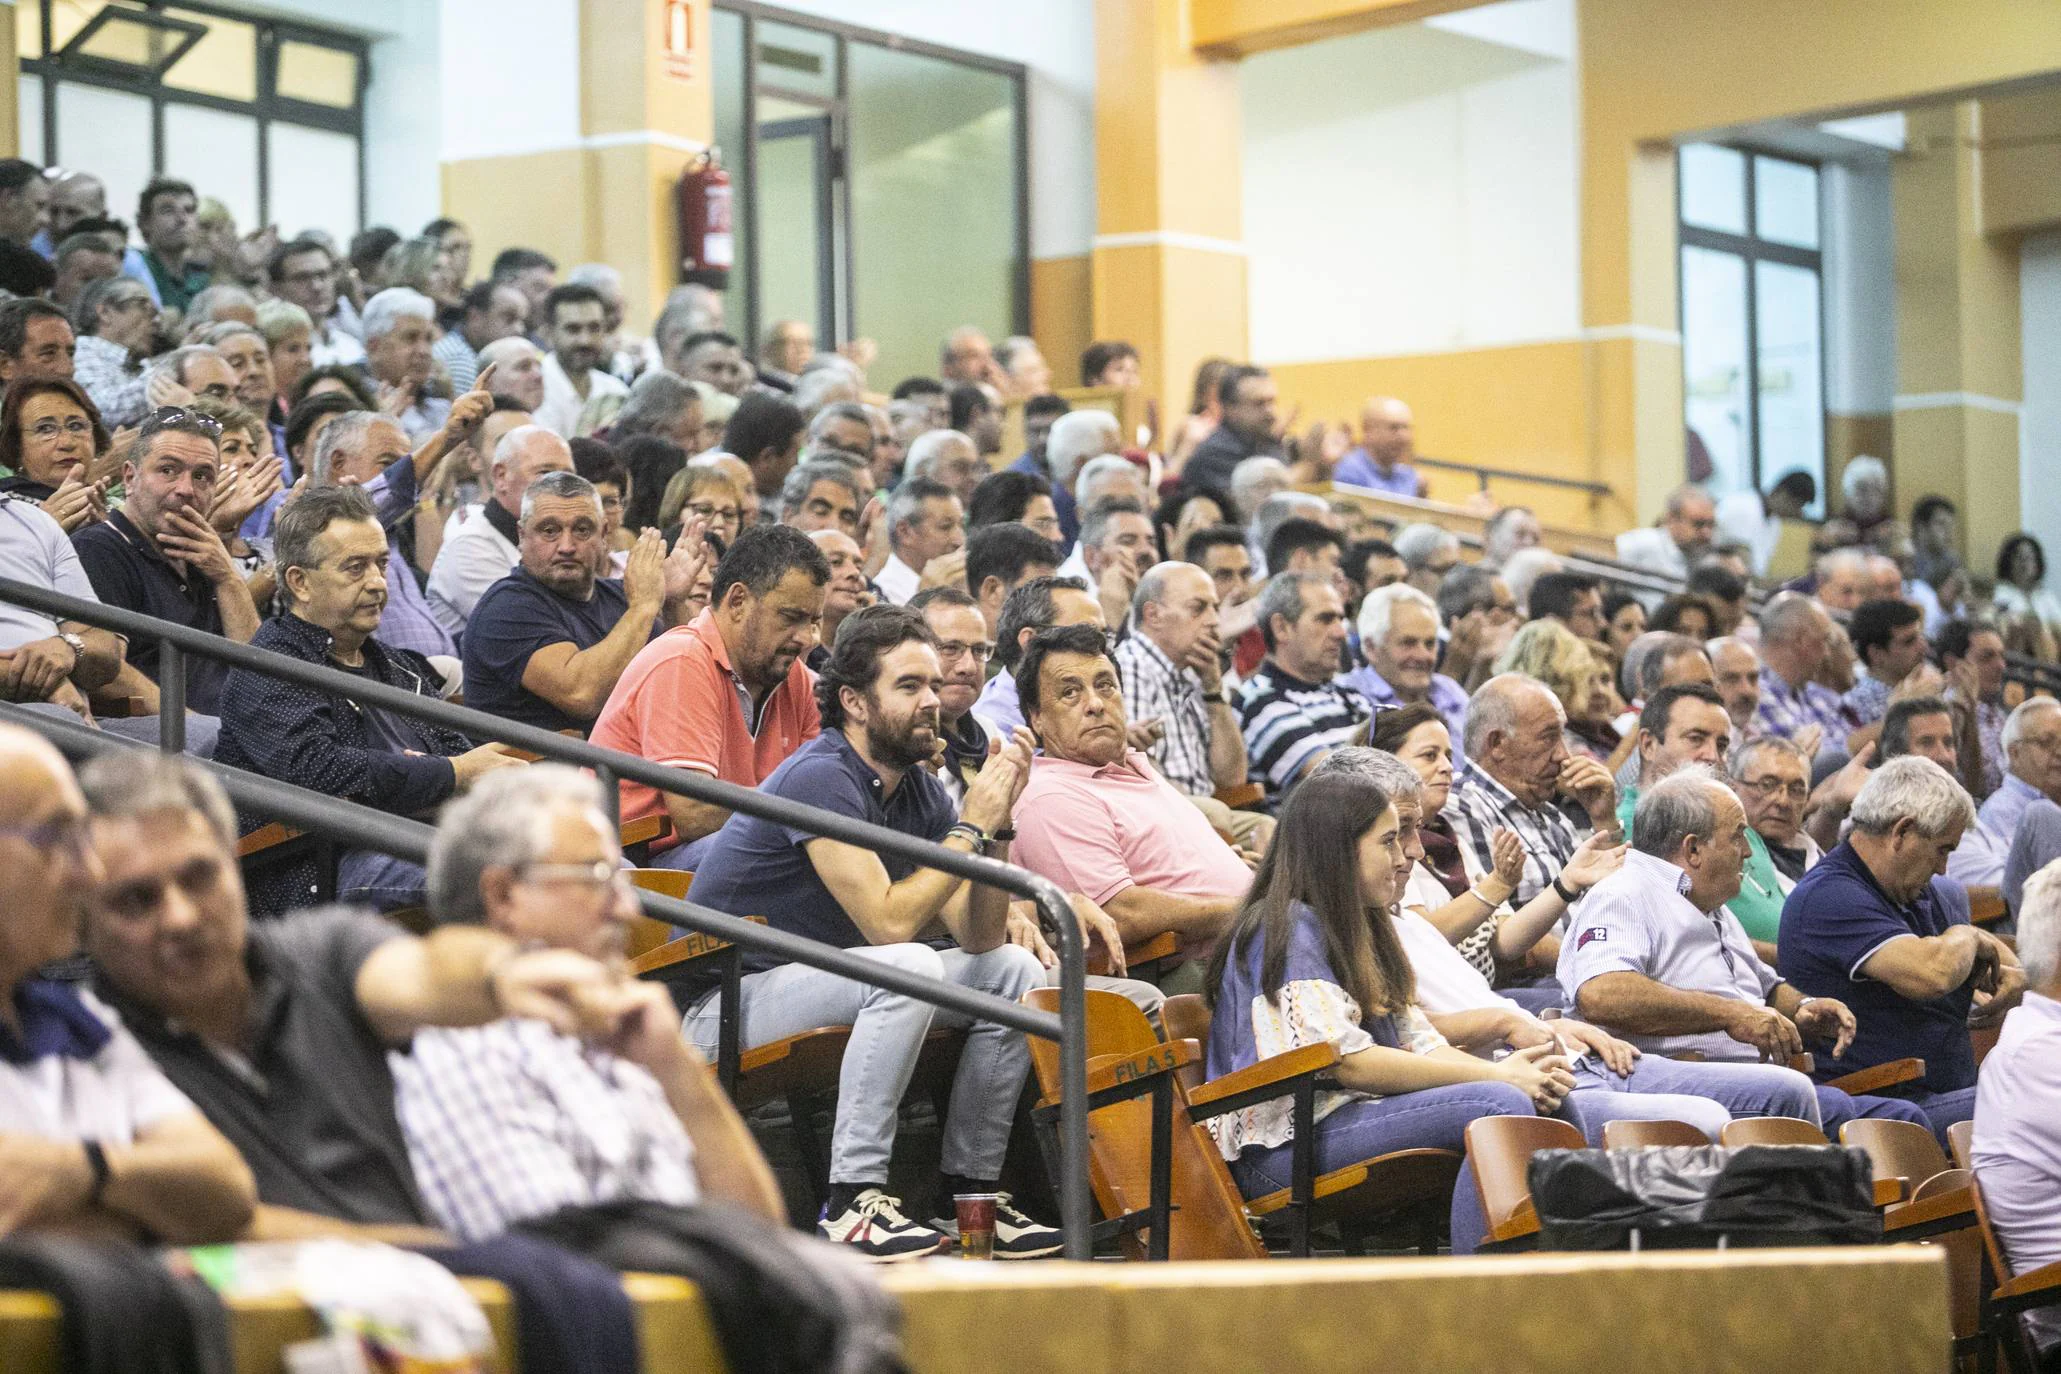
{"x": 1098, "y": 819}
{"x": 728, "y": 694}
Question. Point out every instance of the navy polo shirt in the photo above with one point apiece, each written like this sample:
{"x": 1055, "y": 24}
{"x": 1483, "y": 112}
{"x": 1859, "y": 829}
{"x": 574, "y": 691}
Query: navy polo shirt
{"x": 1836, "y": 918}
{"x": 127, "y": 570}
{"x": 518, "y": 616}
{"x": 757, "y": 868}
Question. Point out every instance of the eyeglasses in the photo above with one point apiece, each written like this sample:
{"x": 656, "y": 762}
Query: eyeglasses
{"x": 1764, "y": 787}
{"x": 953, "y": 648}
{"x": 310, "y": 278}
{"x": 713, "y": 513}
{"x": 78, "y": 425}
{"x": 168, "y": 417}
{"x": 130, "y": 302}
{"x": 596, "y": 877}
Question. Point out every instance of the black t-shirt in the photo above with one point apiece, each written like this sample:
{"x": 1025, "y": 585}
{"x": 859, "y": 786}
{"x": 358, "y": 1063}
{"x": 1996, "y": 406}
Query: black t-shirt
{"x": 312, "y": 1108}
{"x": 518, "y": 616}
{"x": 1209, "y": 467}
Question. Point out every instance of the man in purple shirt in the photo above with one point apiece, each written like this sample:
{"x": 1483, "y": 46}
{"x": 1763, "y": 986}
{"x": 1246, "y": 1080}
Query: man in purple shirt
{"x": 1387, "y": 443}
{"x": 1399, "y": 628}
{"x": 1794, "y": 631}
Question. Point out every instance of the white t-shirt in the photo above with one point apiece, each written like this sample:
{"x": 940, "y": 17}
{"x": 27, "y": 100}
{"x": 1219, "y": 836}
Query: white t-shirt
{"x": 34, "y": 549}
{"x": 111, "y": 1097}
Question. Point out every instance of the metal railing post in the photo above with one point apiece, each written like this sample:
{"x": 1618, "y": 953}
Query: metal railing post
{"x": 171, "y": 699}
{"x": 611, "y": 796}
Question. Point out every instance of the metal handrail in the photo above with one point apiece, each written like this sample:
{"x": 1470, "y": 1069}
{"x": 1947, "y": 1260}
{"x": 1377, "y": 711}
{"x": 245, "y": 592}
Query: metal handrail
{"x": 610, "y": 766}
{"x": 1482, "y": 474}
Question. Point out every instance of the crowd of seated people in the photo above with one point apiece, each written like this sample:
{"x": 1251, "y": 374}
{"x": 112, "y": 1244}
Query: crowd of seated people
{"x": 1356, "y": 779}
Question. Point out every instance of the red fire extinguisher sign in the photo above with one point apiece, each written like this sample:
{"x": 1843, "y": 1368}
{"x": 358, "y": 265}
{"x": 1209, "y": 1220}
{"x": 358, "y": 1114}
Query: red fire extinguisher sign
{"x": 679, "y": 39}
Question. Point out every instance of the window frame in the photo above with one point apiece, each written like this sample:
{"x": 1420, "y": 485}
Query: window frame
{"x": 267, "y": 109}
{"x": 1754, "y": 250}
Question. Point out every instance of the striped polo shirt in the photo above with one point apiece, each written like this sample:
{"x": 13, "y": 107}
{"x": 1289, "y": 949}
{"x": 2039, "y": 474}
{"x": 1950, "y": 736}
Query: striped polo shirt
{"x": 1288, "y": 723}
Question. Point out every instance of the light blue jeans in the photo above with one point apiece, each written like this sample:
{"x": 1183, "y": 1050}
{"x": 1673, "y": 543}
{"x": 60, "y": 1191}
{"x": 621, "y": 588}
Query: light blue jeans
{"x": 887, "y": 1037}
{"x": 1706, "y": 1095}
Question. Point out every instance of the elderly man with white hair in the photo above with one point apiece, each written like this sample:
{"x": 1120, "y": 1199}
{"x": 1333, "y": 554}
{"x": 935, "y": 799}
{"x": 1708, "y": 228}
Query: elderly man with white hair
{"x": 400, "y": 327}
{"x": 1682, "y": 537}
{"x": 2016, "y": 1150}
{"x": 1172, "y": 674}
{"x": 1399, "y": 629}
{"x": 1876, "y": 924}
{"x": 2032, "y": 763}
{"x": 1653, "y": 955}
{"x": 1254, "y": 482}
{"x": 1075, "y": 438}
{"x": 946, "y": 456}
{"x": 926, "y": 533}
{"x": 1429, "y": 552}
{"x": 487, "y": 547}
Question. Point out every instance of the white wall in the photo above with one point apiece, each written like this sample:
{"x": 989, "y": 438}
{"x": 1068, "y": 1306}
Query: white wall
{"x": 2039, "y": 433}
{"x": 1055, "y": 40}
{"x": 1860, "y": 288}
{"x": 495, "y": 97}
{"x": 1413, "y": 189}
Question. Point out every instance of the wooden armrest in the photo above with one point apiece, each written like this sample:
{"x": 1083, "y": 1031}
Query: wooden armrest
{"x": 2045, "y": 1279}
{"x": 1243, "y": 795}
{"x": 266, "y": 837}
{"x": 1164, "y": 945}
{"x": 1986, "y": 906}
{"x": 1932, "y": 1213}
{"x": 1115, "y": 1070}
{"x": 1520, "y": 1223}
{"x": 1279, "y": 1072}
{"x": 1890, "y": 1191}
{"x": 1804, "y": 1063}
{"x": 646, "y": 829}
{"x": 1881, "y": 1076}
{"x": 689, "y": 947}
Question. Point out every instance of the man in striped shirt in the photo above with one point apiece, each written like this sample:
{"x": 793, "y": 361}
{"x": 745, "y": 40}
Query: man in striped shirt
{"x": 1291, "y": 711}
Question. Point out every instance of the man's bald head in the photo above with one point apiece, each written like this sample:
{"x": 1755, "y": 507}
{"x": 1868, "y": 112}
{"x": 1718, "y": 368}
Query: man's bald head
{"x": 31, "y": 767}
{"x": 43, "y": 851}
{"x": 524, "y": 454}
{"x": 1388, "y": 431}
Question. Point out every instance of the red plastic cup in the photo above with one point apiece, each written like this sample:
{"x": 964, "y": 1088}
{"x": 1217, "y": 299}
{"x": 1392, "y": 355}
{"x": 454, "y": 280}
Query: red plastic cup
{"x": 976, "y": 1224}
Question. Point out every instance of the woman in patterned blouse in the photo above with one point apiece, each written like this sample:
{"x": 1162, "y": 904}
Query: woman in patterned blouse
{"x": 1313, "y": 958}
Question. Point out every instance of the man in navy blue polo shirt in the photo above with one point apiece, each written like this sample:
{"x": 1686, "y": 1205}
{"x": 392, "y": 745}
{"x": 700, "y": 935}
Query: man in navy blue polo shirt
{"x": 1877, "y": 926}
{"x": 878, "y": 696}
{"x": 547, "y": 643}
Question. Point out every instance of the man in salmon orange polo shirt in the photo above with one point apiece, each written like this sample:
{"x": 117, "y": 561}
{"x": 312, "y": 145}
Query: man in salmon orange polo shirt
{"x": 1098, "y": 819}
{"x": 727, "y": 694}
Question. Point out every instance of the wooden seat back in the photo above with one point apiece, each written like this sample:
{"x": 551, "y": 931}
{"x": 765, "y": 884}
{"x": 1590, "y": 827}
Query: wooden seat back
{"x": 1961, "y": 1141}
{"x": 1501, "y": 1148}
{"x": 1186, "y": 1017}
{"x": 1963, "y": 1251}
{"x": 1896, "y": 1149}
{"x": 1773, "y": 1130}
{"x": 647, "y": 934}
{"x": 1208, "y": 1211}
{"x": 1640, "y": 1135}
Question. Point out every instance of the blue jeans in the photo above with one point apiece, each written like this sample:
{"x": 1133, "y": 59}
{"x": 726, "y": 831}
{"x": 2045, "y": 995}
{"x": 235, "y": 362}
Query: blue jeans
{"x": 365, "y": 877}
{"x": 887, "y": 1037}
{"x": 1934, "y": 1111}
{"x": 1706, "y": 1095}
{"x": 686, "y": 857}
{"x": 1431, "y": 1118}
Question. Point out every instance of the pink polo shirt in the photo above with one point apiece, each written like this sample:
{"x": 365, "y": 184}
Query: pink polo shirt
{"x": 1097, "y": 831}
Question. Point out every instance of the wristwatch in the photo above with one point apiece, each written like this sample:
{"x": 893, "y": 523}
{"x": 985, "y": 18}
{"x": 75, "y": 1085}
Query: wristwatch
{"x": 77, "y": 645}
{"x": 1214, "y": 698}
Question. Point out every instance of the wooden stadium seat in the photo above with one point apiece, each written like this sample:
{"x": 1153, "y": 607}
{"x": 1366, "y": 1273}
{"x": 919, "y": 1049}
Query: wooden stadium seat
{"x": 1186, "y": 1017}
{"x": 1500, "y": 1148}
{"x": 1874, "y": 1079}
{"x": 1246, "y": 796}
{"x": 639, "y": 835}
{"x": 1896, "y": 1148}
{"x": 1150, "y": 958}
{"x": 2007, "y": 1295}
{"x": 647, "y": 934}
{"x": 1773, "y": 1130}
{"x": 1986, "y": 906}
{"x": 266, "y": 837}
{"x": 1961, "y": 1143}
{"x": 1640, "y": 1135}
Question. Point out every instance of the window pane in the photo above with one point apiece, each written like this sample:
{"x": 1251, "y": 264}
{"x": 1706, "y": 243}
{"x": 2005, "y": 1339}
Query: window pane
{"x": 218, "y": 153}
{"x": 1713, "y": 187}
{"x": 925, "y": 134}
{"x": 224, "y": 63}
{"x": 318, "y": 75}
{"x": 30, "y": 102}
{"x": 28, "y": 31}
{"x": 107, "y": 132}
{"x": 726, "y": 36}
{"x": 1714, "y": 363}
{"x": 134, "y": 42}
{"x": 314, "y": 181}
{"x": 1791, "y": 373}
{"x": 1785, "y": 202}
{"x": 797, "y": 59}
{"x": 67, "y": 17}
{"x": 794, "y": 221}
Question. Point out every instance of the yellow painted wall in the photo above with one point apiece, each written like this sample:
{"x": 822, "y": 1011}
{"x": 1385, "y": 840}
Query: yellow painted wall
{"x": 1062, "y": 313}
{"x": 1239, "y": 28}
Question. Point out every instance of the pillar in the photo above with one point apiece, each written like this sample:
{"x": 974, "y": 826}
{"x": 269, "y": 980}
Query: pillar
{"x": 1959, "y": 375}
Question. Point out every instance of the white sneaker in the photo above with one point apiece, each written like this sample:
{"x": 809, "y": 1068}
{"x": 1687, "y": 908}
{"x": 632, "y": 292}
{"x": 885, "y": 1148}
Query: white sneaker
{"x": 1017, "y": 1237}
{"x": 875, "y": 1227}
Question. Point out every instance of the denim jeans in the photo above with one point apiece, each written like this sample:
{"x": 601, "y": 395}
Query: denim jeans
{"x": 201, "y": 731}
{"x": 887, "y": 1037}
{"x": 686, "y": 857}
{"x": 1934, "y": 1111}
{"x": 1431, "y": 1118}
{"x": 365, "y": 877}
{"x": 1706, "y": 1095}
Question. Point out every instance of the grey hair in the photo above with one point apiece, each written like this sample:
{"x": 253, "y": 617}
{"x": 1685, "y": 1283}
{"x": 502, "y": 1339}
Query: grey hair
{"x": 1853, "y": 560}
{"x": 1682, "y": 495}
{"x": 1394, "y": 777}
{"x": 1098, "y": 517}
{"x": 1913, "y": 787}
{"x": 1152, "y": 587}
{"x": 172, "y": 366}
{"x": 1283, "y": 596}
{"x": 818, "y": 387}
{"x": 2021, "y": 715}
{"x": 385, "y": 311}
{"x": 1681, "y": 805}
{"x": 1789, "y": 615}
{"x": 1377, "y": 610}
{"x": 1646, "y": 659}
{"x": 1249, "y": 475}
{"x": 138, "y": 782}
{"x": 690, "y": 309}
{"x": 1862, "y": 471}
{"x": 928, "y": 449}
{"x": 511, "y": 445}
{"x": 598, "y": 275}
{"x": 201, "y": 309}
{"x": 346, "y": 430}
{"x": 656, "y": 402}
{"x": 1098, "y": 470}
{"x": 278, "y": 318}
{"x": 1739, "y": 762}
{"x": 1494, "y": 707}
{"x": 562, "y": 485}
{"x": 802, "y": 477}
{"x": 2039, "y": 926}
{"x": 222, "y": 331}
{"x": 1525, "y": 567}
{"x": 1282, "y": 507}
{"x": 906, "y": 502}
{"x": 1077, "y": 436}
{"x": 1418, "y": 544}
{"x": 503, "y": 821}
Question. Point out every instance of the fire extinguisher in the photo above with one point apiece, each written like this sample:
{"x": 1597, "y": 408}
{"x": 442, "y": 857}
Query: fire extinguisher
{"x": 707, "y": 246}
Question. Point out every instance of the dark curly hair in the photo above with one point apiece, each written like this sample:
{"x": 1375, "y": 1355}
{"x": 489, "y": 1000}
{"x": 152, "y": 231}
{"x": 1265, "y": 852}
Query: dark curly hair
{"x": 866, "y": 637}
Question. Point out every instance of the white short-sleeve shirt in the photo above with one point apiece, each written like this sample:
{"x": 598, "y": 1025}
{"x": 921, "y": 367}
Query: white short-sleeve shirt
{"x": 111, "y": 1096}
{"x": 34, "y": 549}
